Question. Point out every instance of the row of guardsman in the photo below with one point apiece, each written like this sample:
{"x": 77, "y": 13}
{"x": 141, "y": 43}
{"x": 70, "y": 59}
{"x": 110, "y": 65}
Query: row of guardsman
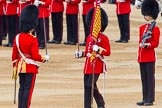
{"x": 25, "y": 52}
{"x": 10, "y": 11}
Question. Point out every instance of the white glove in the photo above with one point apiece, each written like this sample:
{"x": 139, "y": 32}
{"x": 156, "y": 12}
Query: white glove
{"x": 78, "y": 54}
{"x": 37, "y": 3}
{"x": 138, "y": 4}
{"x": 145, "y": 45}
{"x": 95, "y": 48}
{"x": 47, "y": 57}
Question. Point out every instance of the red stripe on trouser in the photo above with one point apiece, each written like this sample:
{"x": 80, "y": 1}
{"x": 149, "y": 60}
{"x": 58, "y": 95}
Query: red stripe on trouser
{"x": 31, "y": 90}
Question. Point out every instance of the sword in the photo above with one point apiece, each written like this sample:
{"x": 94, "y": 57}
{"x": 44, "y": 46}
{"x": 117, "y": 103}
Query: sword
{"x": 15, "y": 93}
{"x": 45, "y": 39}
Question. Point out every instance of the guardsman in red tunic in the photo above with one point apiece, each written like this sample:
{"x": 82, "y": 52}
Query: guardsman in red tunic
{"x": 123, "y": 11}
{"x": 146, "y": 52}
{"x": 86, "y": 6}
{"x": 72, "y": 10}
{"x": 43, "y": 19}
{"x": 57, "y": 9}
{"x": 102, "y": 48}
{"x": 25, "y": 53}
{"x": 11, "y": 14}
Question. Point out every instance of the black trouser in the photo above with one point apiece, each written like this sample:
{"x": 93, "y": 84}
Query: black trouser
{"x": 26, "y": 81}
{"x": 4, "y": 26}
{"x": 57, "y": 25}
{"x": 17, "y": 25}
{"x": 1, "y": 26}
{"x": 86, "y": 27}
{"x": 40, "y": 31}
{"x": 147, "y": 71}
{"x": 47, "y": 28}
{"x": 12, "y": 27}
{"x": 72, "y": 27}
{"x": 124, "y": 26}
{"x": 87, "y": 91}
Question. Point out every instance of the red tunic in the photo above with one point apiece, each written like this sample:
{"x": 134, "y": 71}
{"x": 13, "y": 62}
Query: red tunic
{"x": 148, "y": 54}
{"x": 72, "y": 7}
{"x": 28, "y": 45}
{"x": 44, "y": 10}
{"x": 22, "y": 5}
{"x": 11, "y": 7}
{"x": 102, "y": 42}
{"x": 87, "y": 5}
{"x": 123, "y": 7}
{"x": 2, "y": 8}
{"x": 57, "y": 6}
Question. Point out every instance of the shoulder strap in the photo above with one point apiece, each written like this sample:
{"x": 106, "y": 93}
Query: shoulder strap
{"x": 17, "y": 44}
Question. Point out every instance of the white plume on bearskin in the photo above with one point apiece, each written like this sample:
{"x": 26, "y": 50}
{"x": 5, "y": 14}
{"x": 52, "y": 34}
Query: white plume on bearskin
{"x": 28, "y": 18}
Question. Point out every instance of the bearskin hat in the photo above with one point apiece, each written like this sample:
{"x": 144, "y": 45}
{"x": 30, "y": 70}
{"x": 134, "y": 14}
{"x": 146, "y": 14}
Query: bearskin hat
{"x": 104, "y": 18}
{"x": 28, "y": 18}
{"x": 150, "y": 8}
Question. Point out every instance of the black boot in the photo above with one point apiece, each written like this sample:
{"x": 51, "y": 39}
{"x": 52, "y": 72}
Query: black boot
{"x": 140, "y": 103}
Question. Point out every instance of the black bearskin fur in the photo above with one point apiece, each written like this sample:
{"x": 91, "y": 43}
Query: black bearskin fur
{"x": 28, "y": 18}
{"x": 150, "y": 8}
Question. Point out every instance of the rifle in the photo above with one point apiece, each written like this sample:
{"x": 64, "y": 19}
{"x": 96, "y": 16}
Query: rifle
{"x": 147, "y": 35}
